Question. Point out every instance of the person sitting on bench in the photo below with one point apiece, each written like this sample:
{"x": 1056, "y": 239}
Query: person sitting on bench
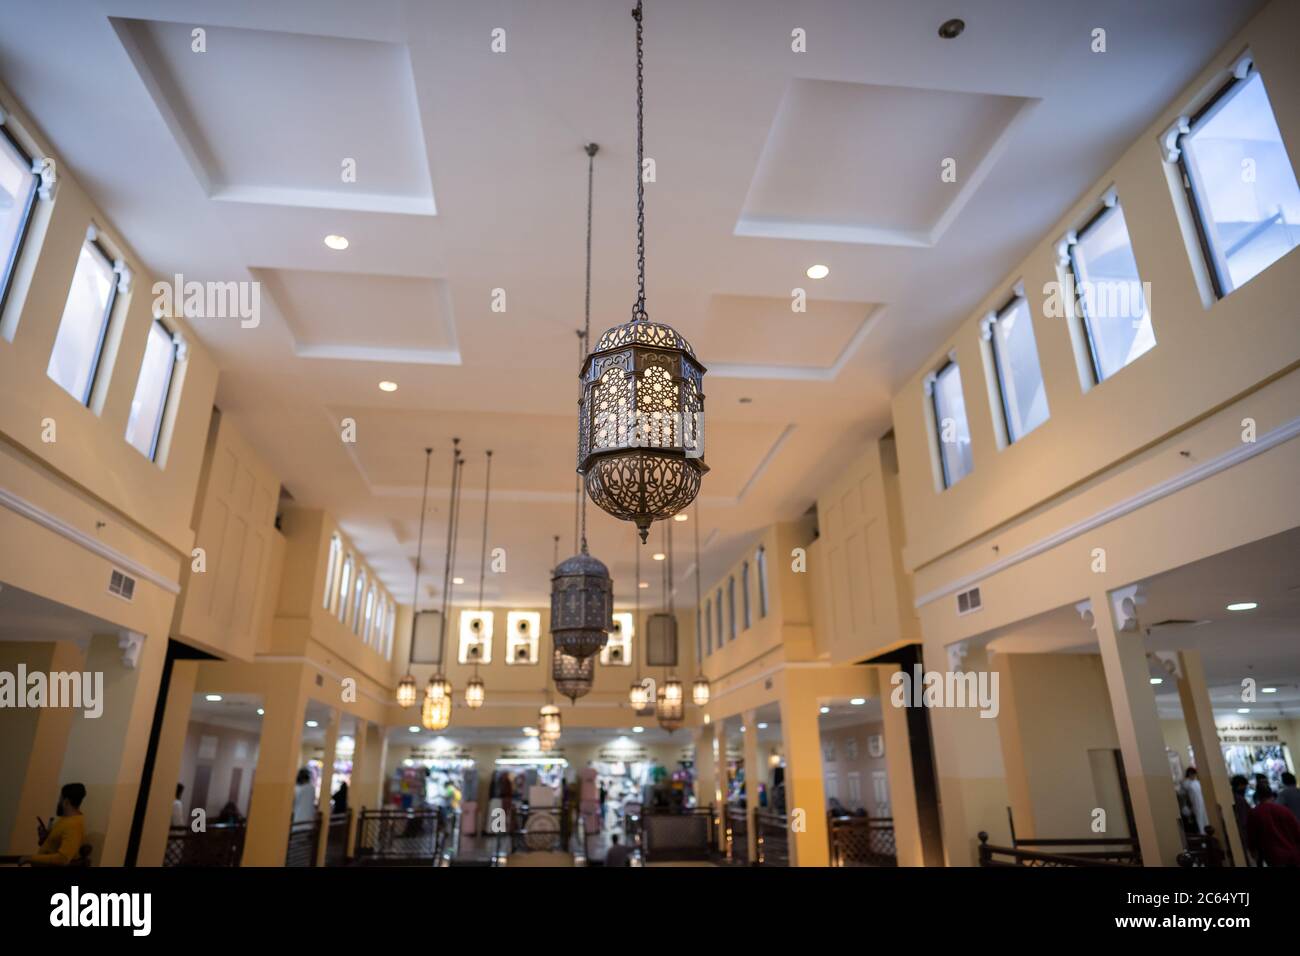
{"x": 61, "y": 841}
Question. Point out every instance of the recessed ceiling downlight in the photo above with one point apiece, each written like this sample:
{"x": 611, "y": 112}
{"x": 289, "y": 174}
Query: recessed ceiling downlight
{"x": 858, "y": 701}
{"x": 818, "y": 271}
{"x": 337, "y": 243}
{"x": 387, "y": 386}
{"x": 213, "y": 698}
{"x": 951, "y": 29}
{"x": 1243, "y": 606}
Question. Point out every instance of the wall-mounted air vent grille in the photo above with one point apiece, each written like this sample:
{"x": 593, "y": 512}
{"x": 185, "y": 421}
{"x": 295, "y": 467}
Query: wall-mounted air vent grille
{"x": 121, "y": 584}
{"x": 969, "y": 601}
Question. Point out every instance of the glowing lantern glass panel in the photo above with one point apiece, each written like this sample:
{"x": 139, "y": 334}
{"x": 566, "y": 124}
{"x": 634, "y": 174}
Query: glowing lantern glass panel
{"x": 669, "y": 713}
{"x": 641, "y": 423}
{"x": 435, "y": 714}
{"x": 700, "y": 691}
{"x": 475, "y": 693}
{"x": 406, "y": 692}
{"x": 548, "y": 721}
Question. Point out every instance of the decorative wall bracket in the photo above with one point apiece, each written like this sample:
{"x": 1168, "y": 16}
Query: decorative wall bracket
{"x": 130, "y": 643}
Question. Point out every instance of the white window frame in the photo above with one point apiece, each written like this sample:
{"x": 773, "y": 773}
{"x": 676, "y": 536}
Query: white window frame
{"x": 760, "y": 559}
{"x": 106, "y": 320}
{"x": 469, "y": 639}
{"x": 333, "y": 561}
{"x": 620, "y": 637}
{"x": 533, "y": 620}
{"x": 344, "y": 594}
{"x": 9, "y": 266}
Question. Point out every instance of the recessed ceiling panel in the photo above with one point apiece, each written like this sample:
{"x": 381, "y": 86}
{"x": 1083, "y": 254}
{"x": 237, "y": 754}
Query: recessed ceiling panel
{"x": 288, "y": 118}
{"x": 766, "y": 331}
{"x": 364, "y": 317}
{"x": 856, "y": 162}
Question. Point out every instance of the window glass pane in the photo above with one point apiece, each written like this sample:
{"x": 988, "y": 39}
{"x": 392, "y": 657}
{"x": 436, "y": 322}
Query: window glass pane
{"x": 145, "y": 420}
{"x": 1016, "y": 353}
{"x": 344, "y": 580}
{"x": 762, "y": 582}
{"x": 1114, "y": 307}
{"x": 17, "y": 194}
{"x": 708, "y": 626}
{"x": 950, "y": 419}
{"x": 744, "y": 587}
{"x": 81, "y": 330}
{"x": 1244, "y": 184}
{"x": 731, "y": 608}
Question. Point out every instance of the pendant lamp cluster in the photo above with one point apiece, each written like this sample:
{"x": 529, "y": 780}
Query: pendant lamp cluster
{"x": 436, "y": 711}
{"x": 406, "y": 691}
{"x": 641, "y": 406}
{"x": 475, "y": 690}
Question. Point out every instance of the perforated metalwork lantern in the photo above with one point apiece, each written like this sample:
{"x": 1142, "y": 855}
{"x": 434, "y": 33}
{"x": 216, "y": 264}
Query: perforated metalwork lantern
{"x": 669, "y": 713}
{"x": 582, "y": 605}
{"x": 406, "y": 692}
{"x": 435, "y": 713}
{"x": 573, "y": 676}
{"x": 641, "y": 423}
{"x": 475, "y": 693}
{"x": 548, "y": 721}
{"x": 673, "y": 690}
{"x": 438, "y": 688}
{"x": 638, "y": 695}
{"x": 700, "y": 691}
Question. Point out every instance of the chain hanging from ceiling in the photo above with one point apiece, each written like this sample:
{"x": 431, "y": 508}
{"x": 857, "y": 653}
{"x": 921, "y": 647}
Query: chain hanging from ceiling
{"x": 582, "y": 593}
{"x": 436, "y": 711}
{"x": 641, "y": 405}
{"x": 475, "y": 690}
{"x": 406, "y": 690}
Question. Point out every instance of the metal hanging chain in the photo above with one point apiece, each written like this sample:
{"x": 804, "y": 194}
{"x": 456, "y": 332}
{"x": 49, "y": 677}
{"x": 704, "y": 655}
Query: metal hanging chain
{"x": 585, "y": 335}
{"x": 482, "y": 561}
{"x": 419, "y": 552}
{"x": 579, "y": 511}
{"x": 669, "y": 561}
{"x": 446, "y": 571}
{"x": 663, "y": 565}
{"x": 455, "y": 533}
{"x": 638, "y": 310}
{"x": 555, "y": 555}
{"x": 636, "y": 614}
{"x": 699, "y": 594}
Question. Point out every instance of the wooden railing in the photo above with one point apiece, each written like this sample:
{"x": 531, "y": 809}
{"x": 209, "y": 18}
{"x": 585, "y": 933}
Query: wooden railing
{"x": 772, "y": 838}
{"x": 736, "y": 821}
{"x": 399, "y": 837}
{"x": 1116, "y": 853}
{"x": 303, "y": 839}
{"x": 670, "y": 835}
{"x": 862, "y": 841}
{"x": 221, "y": 844}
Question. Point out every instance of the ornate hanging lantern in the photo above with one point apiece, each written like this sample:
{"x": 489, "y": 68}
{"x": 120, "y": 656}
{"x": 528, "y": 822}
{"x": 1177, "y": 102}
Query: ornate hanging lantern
{"x": 641, "y": 406}
{"x": 475, "y": 693}
{"x": 582, "y": 594}
{"x": 436, "y": 714}
{"x": 669, "y": 713}
{"x": 475, "y": 690}
{"x": 638, "y": 695}
{"x": 700, "y": 691}
{"x": 548, "y": 722}
{"x": 673, "y": 690}
{"x": 573, "y": 676}
{"x": 406, "y": 692}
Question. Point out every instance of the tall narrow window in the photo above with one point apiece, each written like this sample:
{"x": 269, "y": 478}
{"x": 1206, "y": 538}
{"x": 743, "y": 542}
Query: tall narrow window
{"x": 1240, "y": 182}
{"x": 18, "y": 188}
{"x": 332, "y": 570}
{"x": 717, "y": 608}
{"x": 370, "y": 615}
{"x": 761, "y": 560}
{"x": 699, "y": 634}
{"x": 1110, "y": 293}
{"x": 1020, "y": 378}
{"x": 79, "y": 344}
{"x": 731, "y": 608}
{"x": 950, "y": 424}
{"x": 708, "y": 626}
{"x": 744, "y": 593}
{"x": 388, "y": 637}
{"x": 357, "y": 597}
{"x": 144, "y": 424}
{"x": 345, "y": 579}
{"x": 380, "y": 610}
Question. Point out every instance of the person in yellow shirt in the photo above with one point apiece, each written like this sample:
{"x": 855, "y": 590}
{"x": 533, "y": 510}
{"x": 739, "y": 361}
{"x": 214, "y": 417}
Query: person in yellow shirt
{"x": 61, "y": 843}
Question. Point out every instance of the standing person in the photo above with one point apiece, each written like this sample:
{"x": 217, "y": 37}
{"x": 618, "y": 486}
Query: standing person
{"x": 1273, "y": 830}
{"x": 1290, "y": 796}
{"x": 304, "y": 798}
{"x": 61, "y": 841}
{"x": 178, "y": 808}
{"x": 1241, "y": 810}
{"x": 618, "y": 854}
{"x": 1192, "y": 787}
{"x": 339, "y": 802}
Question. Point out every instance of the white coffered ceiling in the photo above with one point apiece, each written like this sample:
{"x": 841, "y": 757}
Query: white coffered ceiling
{"x": 226, "y": 165}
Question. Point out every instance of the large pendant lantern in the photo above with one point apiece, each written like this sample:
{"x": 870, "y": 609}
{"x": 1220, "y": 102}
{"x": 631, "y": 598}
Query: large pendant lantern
{"x": 406, "y": 691}
{"x": 669, "y": 712}
{"x": 548, "y": 726}
{"x": 436, "y": 712}
{"x": 573, "y": 676}
{"x": 641, "y": 406}
{"x": 700, "y": 691}
{"x": 475, "y": 693}
{"x": 582, "y": 593}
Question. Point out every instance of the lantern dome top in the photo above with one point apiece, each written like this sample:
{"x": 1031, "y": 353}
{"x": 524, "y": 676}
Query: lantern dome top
{"x": 644, "y": 333}
{"x": 581, "y": 564}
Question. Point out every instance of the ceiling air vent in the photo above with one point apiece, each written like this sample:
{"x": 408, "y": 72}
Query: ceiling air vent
{"x": 969, "y": 601}
{"x": 121, "y": 584}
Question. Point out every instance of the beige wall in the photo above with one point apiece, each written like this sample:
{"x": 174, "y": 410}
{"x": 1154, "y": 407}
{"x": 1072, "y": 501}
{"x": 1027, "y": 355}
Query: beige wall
{"x": 235, "y": 748}
{"x": 1204, "y": 356}
{"x": 847, "y": 741}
